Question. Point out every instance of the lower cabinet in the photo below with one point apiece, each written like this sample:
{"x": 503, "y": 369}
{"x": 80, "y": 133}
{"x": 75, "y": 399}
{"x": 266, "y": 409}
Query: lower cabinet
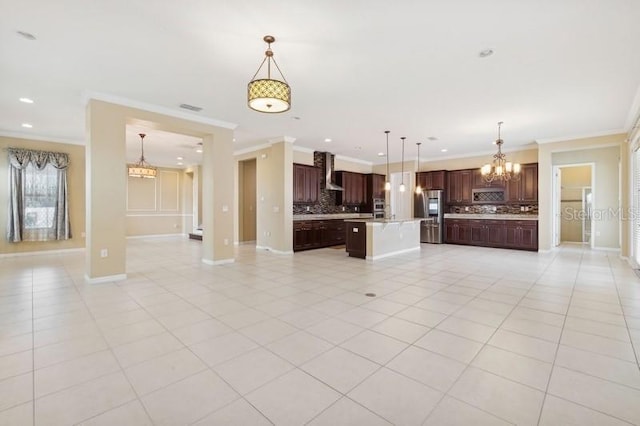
{"x": 514, "y": 234}
{"x": 312, "y": 234}
{"x": 356, "y": 244}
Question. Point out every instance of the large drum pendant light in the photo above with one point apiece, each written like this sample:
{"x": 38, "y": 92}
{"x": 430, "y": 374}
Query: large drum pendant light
{"x": 267, "y": 94}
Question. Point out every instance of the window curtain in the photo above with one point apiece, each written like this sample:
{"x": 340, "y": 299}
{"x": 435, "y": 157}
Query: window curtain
{"x": 19, "y": 160}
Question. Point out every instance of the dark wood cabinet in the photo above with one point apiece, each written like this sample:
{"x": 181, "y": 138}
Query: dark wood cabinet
{"x": 374, "y": 186}
{"x": 524, "y": 190}
{"x": 457, "y": 231}
{"x": 312, "y": 234}
{"x": 306, "y": 184}
{"x": 459, "y": 186}
{"x": 515, "y": 234}
{"x": 356, "y": 239}
{"x": 521, "y": 234}
{"x": 479, "y": 182}
{"x": 353, "y": 185}
{"x": 432, "y": 180}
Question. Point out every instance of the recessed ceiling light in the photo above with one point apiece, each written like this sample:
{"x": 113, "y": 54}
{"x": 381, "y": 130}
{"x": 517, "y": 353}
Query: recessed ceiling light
{"x": 381, "y": 154}
{"x": 27, "y": 125}
{"x": 432, "y": 138}
{"x": 26, "y": 35}
{"x": 26, "y": 100}
{"x": 485, "y": 53}
{"x": 328, "y": 140}
{"x": 179, "y": 164}
{"x": 234, "y": 139}
{"x": 179, "y": 158}
{"x": 199, "y": 151}
{"x": 444, "y": 150}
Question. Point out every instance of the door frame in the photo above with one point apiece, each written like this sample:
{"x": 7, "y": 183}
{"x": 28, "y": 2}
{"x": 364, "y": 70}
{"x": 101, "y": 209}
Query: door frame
{"x": 556, "y": 185}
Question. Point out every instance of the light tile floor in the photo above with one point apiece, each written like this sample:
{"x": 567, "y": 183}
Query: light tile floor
{"x": 456, "y": 335}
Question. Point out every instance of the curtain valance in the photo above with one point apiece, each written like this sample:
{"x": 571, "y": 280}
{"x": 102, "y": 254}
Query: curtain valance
{"x": 20, "y": 158}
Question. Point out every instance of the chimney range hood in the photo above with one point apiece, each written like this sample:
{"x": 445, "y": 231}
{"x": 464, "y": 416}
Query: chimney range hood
{"x": 328, "y": 172}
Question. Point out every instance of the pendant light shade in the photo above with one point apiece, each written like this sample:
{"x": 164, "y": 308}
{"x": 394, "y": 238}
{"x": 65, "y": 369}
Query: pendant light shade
{"x": 418, "y": 187}
{"x": 387, "y": 183}
{"x": 402, "y": 186}
{"x": 142, "y": 169}
{"x": 267, "y": 94}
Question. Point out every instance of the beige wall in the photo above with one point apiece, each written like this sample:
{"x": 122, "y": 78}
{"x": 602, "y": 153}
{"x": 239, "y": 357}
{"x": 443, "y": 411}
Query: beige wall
{"x": 159, "y": 206}
{"x": 611, "y": 175}
{"x": 75, "y": 177}
{"x": 106, "y": 183}
{"x": 274, "y": 196}
{"x": 573, "y": 180}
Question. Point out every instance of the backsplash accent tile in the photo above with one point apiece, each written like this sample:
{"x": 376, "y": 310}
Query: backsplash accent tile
{"x": 497, "y": 209}
{"x": 327, "y": 204}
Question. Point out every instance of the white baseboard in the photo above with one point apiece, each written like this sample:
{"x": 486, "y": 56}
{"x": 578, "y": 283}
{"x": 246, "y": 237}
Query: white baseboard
{"x": 106, "y": 279}
{"x": 274, "y": 250}
{"x": 613, "y": 250}
{"x": 217, "y": 262}
{"x": 393, "y": 253}
{"x": 42, "y": 252}
{"x": 138, "y": 237}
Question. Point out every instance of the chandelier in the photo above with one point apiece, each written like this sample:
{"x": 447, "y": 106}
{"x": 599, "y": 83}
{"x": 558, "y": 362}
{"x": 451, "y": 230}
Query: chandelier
{"x": 500, "y": 169}
{"x": 267, "y": 94}
{"x": 142, "y": 169}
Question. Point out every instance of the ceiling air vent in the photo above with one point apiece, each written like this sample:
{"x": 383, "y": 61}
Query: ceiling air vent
{"x": 191, "y": 107}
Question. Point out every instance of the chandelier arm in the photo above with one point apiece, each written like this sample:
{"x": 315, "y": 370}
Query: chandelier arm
{"x": 259, "y": 68}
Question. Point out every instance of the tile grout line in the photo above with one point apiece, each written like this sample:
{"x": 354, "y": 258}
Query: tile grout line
{"x": 624, "y": 316}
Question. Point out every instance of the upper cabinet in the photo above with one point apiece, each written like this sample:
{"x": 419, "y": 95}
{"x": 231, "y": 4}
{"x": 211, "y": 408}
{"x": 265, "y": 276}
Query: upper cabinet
{"x": 354, "y": 188}
{"x": 374, "y": 187}
{"x": 479, "y": 182}
{"x": 432, "y": 180}
{"x": 459, "y": 186}
{"x": 306, "y": 184}
{"x": 524, "y": 190}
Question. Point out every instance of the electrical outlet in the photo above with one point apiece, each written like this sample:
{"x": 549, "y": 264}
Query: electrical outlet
{"x": 522, "y": 208}
{"x": 226, "y": 241}
{"x": 104, "y": 253}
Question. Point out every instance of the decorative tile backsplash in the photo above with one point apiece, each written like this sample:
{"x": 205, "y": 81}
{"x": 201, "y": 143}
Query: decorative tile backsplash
{"x": 498, "y": 209}
{"x": 327, "y": 204}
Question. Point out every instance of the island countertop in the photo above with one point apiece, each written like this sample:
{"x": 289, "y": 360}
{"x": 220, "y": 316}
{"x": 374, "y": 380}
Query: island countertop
{"x": 491, "y": 216}
{"x": 332, "y": 216}
{"x": 383, "y": 221}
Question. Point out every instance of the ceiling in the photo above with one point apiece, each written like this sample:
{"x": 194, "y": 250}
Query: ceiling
{"x": 559, "y": 69}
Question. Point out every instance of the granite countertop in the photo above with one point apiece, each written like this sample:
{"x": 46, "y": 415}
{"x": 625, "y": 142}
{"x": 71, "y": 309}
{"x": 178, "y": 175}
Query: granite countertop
{"x": 384, "y": 220}
{"x": 494, "y": 216}
{"x": 332, "y": 216}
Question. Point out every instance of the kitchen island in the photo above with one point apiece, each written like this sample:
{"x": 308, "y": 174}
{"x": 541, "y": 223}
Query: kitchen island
{"x": 373, "y": 239}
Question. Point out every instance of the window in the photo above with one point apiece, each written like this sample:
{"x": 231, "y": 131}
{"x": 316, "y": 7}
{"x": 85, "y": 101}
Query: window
{"x": 38, "y": 207}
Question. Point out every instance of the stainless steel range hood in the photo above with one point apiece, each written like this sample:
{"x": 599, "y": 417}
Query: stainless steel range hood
{"x": 328, "y": 172}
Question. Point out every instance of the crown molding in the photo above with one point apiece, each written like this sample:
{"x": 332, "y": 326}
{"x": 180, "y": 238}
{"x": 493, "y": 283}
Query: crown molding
{"x": 583, "y": 136}
{"x": 18, "y": 135}
{"x": 105, "y": 97}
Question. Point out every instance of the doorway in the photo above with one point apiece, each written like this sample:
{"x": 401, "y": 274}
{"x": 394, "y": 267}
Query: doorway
{"x": 573, "y": 204}
{"x": 247, "y": 201}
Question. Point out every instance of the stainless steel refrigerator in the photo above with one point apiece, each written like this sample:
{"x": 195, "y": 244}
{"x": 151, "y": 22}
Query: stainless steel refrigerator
{"x": 429, "y": 206}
